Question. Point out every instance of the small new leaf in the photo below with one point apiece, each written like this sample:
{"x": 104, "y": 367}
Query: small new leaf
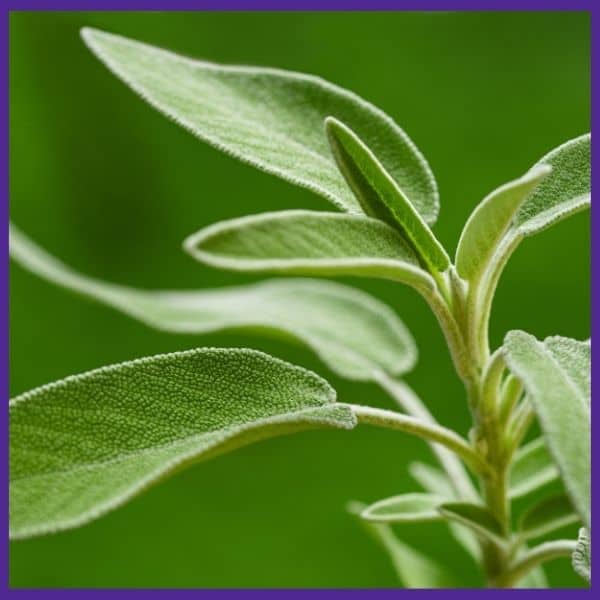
{"x": 354, "y": 334}
{"x": 85, "y": 445}
{"x": 269, "y": 118}
{"x": 478, "y": 518}
{"x": 490, "y": 221}
{"x": 309, "y": 243}
{"x": 406, "y": 508}
{"x": 555, "y": 374}
{"x": 548, "y": 515}
{"x": 380, "y": 196}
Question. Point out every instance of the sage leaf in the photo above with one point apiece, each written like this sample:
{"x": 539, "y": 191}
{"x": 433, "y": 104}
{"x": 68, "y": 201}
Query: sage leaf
{"x": 414, "y": 569}
{"x": 405, "y": 508}
{"x": 490, "y": 221}
{"x": 86, "y": 444}
{"x": 532, "y": 468}
{"x": 380, "y": 196}
{"x": 269, "y": 118}
{"x": 565, "y": 191}
{"x": 309, "y": 243}
{"x": 581, "y": 558}
{"x": 555, "y": 374}
{"x": 354, "y": 334}
{"x": 475, "y": 517}
{"x": 546, "y": 516}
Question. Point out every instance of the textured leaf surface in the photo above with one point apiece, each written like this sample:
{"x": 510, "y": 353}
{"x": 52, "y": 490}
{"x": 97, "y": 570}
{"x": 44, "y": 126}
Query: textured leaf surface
{"x": 477, "y": 518}
{"x": 490, "y": 221}
{"x": 414, "y": 569}
{"x": 532, "y": 468}
{"x": 352, "y": 332}
{"x": 548, "y": 515}
{"x": 270, "y": 118}
{"x": 582, "y": 556}
{"x": 380, "y": 196}
{"x": 406, "y": 508}
{"x": 308, "y": 243}
{"x": 565, "y": 191}
{"x": 86, "y": 444}
{"x": 555, "y": 374}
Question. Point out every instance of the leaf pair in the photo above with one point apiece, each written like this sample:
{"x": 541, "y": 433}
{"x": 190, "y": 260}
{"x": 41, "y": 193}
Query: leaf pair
{"x": 354, "y": 334}
{"x": 276, "y": 120}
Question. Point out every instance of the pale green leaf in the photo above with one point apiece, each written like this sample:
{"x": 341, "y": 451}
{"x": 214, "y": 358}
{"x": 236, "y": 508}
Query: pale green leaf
{"x": 546, "y": 516}
{"x": 414, "y": 569}
{"x": 309, "y": 243}
{"x": 405, "y": 508}
{"x": 269, "y": 118}
{"x": 532, "y": 468}
{"x": 555, "y": 374}
{"x": 475, "y": 517}
{"x": 565, "y": 191}
{"x": 490, "y": 221}
{"x": 353, "y": 333}
{"x": 582, "y": 555}
{"x": 88, "y": 443}
{"x": 380, "y": 196}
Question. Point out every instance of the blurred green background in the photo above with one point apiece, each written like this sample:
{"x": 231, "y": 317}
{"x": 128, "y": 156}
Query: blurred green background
{"x": 112, "y": 187}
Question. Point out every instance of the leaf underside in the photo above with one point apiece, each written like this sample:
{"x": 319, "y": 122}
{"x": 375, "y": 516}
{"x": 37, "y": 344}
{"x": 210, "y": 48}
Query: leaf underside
{"x": 353, "y": 333}
{"x": 269, "y": 118}
{"x": 556, "y": 375}
{"x": 85, "y": 445}
{"x": 582, "y": 556}
{"x": 309, "y": 243}
{"x": 478, "y": 518}
{"x": 406, "y": 508}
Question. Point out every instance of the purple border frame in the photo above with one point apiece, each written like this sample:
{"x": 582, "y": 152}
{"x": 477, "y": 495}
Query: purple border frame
{"x": 268, "y": 5}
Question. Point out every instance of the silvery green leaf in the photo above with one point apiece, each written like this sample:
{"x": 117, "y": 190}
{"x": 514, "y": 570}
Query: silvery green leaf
{"x": 565, "y": 191}
{"x": 309, "y": 243}
{"x": 269, "y": 118}
{"x": 86, "y": 444}
{"x": 353, "y": 333}
{"x": 405, "y": 508}
{"x": 414, "y": 569}
{"x": 546, "y": 516}
{"x": 555, "y": 374}
{"x": 475, "y": 517}
{"x": 380, "y": 196}
{"x": 490, "y": 221}
{"x": 582, "y": 556}
{"x": 532, "y": 468}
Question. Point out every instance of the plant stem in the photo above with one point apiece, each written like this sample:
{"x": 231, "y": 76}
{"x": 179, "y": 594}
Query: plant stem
{"x": 429, "y": 431}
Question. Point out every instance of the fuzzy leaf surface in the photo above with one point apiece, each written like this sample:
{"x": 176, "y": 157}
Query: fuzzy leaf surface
{"x": 546, "y": 516}
{"x": 490, "y": 221}
{"x": 405, "y": 508}
{"x": 532, "y": 468}
{"x": 269, "y": 118}
{"x": 309, "y": 243}
{"x": 478, "y": 518}
{"x": 556, "y": 375}
{"x": 86, "y": 444}
{"x": 565, "y": 191}
{"x": 353, "y": 333}
{"x": 380, "y": 196}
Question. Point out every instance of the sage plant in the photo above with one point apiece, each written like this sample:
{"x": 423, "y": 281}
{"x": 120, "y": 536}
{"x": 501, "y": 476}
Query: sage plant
{"x": 84, "y": 445}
